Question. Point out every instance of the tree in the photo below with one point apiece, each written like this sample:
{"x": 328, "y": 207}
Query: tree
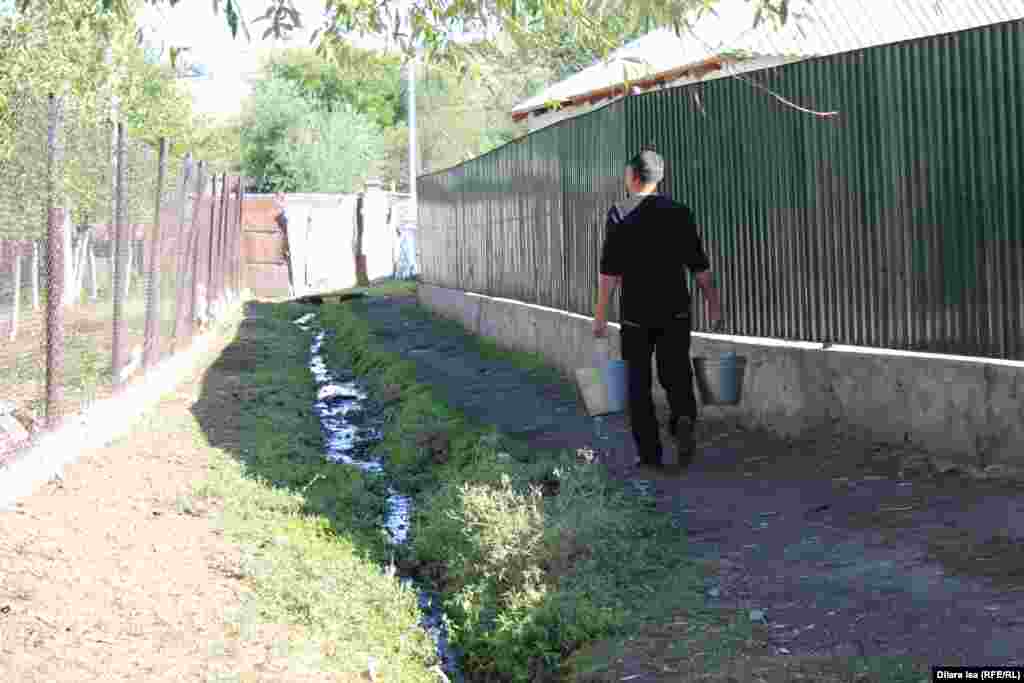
{"x": 507, "y": 48}
{"x": 459, "y": 118}
{"x": 290, "y": 144}
{"x": 89, "y": 62}
{"x": 218, "y": 143}
{"x": 560, "y": 49}
{"x": 47, "y": 49}
{"x": 275, "y": 105}
{"x": 330, "y": 151}
{"x": 369, "y": 82}
{"x": 393, "y": 165}
{"x": 438, "y": 26}
{"x": 153, "y": 102}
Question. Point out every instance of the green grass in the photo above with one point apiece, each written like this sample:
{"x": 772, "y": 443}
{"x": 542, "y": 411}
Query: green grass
{"x": 384, "y": 288}
{"x": 549, "y": 569}
{"x": 309, "y": 530}
{"x": 558, "y": 586}
{"x": 529, "y": 578}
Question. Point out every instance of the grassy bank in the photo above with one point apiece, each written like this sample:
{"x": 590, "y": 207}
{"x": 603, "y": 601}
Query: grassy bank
{"x": 550, "y": 569}
{"x": 312, "y": 548}
{"x": 538, "y": 554}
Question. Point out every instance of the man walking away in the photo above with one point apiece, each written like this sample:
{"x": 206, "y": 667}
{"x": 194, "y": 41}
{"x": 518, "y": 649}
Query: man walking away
{"x": 649, "y": 239}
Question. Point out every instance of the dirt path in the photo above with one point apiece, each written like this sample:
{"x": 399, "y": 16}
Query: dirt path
{"x": 844, "y": 548}
{"x": 114, "y": 574}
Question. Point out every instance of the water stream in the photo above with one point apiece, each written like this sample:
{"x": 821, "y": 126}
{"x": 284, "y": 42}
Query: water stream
{"x": 349, "y": 439}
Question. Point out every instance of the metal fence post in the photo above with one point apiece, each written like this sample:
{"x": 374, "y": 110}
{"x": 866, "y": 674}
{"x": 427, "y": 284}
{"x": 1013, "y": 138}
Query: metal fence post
{"x": 197, "y": 235}
{"x": 184, "y": 245}
{"x": 225, "y": 198}
{"x": 35, "y": 275}
{"x": 218, "y": 207}
{"x": 240, "y": 236}
{"x": 120, "y": 260}
{"x": 236, "y": 242}
{"x": 16, "y": 304}
{"x": 55, "y": 273}
{"x": 225, "y": 252}
{"x": 151, "y": 345}
{"x": 229, "y": 256}
{"x": 208, "y": 299}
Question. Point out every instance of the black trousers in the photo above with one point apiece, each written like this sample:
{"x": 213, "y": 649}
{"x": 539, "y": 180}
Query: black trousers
{"x": 675, "y": 373}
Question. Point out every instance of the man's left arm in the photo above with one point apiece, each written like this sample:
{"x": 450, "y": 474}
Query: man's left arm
{"x": 706, "y": 282}
{"x": 605, "y": 286}
{"x": 700, "y": 266}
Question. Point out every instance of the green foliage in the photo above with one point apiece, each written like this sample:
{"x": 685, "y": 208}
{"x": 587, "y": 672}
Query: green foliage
{"x": 537, "y": 553}
{"x": 289, "y": 144}
{"x": 216, "y": 142}
{"x": 329, "y": 151}
{"x": 270, "y": 114}
{"x": 439, "y": 27}
{"x": 89, "y": 61}
{"x": 153, "y": 102}
{"x": 528, "y": 43}
{"x": 344, "y": 92}
{"x": 368, "y": 82}
{"x": 566, "y": 54}
{"x": 461, "y": 116}
{"x": 307, "y": 529}
{"x": 393, "y": 165}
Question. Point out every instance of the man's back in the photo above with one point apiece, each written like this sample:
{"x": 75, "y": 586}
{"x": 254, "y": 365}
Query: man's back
{"x": 651, "y": 240}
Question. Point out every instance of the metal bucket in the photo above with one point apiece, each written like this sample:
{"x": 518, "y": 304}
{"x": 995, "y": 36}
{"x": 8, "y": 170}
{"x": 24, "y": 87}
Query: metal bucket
{"x": 615, "y": 378}
{"x": 720, "y": 382}
{"x": 604, "y": 386}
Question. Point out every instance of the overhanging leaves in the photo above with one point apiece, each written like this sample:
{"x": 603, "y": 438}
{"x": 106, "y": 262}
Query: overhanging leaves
{"x": 436, "y": 27}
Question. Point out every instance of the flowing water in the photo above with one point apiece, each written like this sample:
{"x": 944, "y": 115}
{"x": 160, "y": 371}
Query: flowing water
{"x": 350, "y": 439}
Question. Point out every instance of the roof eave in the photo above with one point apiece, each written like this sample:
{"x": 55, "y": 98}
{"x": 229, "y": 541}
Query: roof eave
{"x": 695, "y": 69}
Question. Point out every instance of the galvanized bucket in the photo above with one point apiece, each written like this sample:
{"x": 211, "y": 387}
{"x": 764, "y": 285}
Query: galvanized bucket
{"x": 604, "y": 387}
{"x": 720, "y": 382}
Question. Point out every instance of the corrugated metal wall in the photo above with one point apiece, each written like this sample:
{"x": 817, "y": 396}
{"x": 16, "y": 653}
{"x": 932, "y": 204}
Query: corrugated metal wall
{"x": 897, "y": 224}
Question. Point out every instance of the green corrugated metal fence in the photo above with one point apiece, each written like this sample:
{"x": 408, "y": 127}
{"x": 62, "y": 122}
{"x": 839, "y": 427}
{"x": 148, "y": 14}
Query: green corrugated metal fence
{"x": 897, "y": 224}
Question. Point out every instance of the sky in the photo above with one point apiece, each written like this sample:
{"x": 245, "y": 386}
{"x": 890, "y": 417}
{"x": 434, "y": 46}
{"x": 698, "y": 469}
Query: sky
{"x": 231, "y": 62}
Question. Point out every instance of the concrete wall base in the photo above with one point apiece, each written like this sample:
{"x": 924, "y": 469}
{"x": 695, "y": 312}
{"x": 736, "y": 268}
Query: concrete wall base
{"x": 967, "y": 410}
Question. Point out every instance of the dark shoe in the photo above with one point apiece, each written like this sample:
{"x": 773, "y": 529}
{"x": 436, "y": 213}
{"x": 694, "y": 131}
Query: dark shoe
{"x": 649, "y": 460}
{"x": 682, "y": 432}
{"x": 654, "y": 466}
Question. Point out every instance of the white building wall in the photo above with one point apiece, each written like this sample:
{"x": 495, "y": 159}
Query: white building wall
{"x": 322, "y": 233}
{"x": 378, "y": 239}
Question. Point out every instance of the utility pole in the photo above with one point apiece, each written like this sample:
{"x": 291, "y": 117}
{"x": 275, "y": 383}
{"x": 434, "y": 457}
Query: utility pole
{"x": 413, "y": 161}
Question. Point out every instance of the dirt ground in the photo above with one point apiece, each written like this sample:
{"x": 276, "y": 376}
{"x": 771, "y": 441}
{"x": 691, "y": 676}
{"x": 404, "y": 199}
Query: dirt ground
{"x": 839, "y": 547}
{"x": 112, "y": 573}
{"x": 88, "y": 344}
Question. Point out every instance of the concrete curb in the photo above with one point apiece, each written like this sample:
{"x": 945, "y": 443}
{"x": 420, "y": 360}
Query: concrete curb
{"x": 966, "y": 408}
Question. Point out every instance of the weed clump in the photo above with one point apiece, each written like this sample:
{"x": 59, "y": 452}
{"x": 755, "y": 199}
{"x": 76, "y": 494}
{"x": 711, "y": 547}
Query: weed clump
{"x": 537, "y": 554}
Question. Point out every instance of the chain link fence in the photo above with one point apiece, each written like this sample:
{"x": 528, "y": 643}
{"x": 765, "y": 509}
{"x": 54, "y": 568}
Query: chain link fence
{"x": 114, "y": 253}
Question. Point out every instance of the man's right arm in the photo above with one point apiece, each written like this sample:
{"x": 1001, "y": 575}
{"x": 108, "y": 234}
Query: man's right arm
{"x": 609, "y": 277}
